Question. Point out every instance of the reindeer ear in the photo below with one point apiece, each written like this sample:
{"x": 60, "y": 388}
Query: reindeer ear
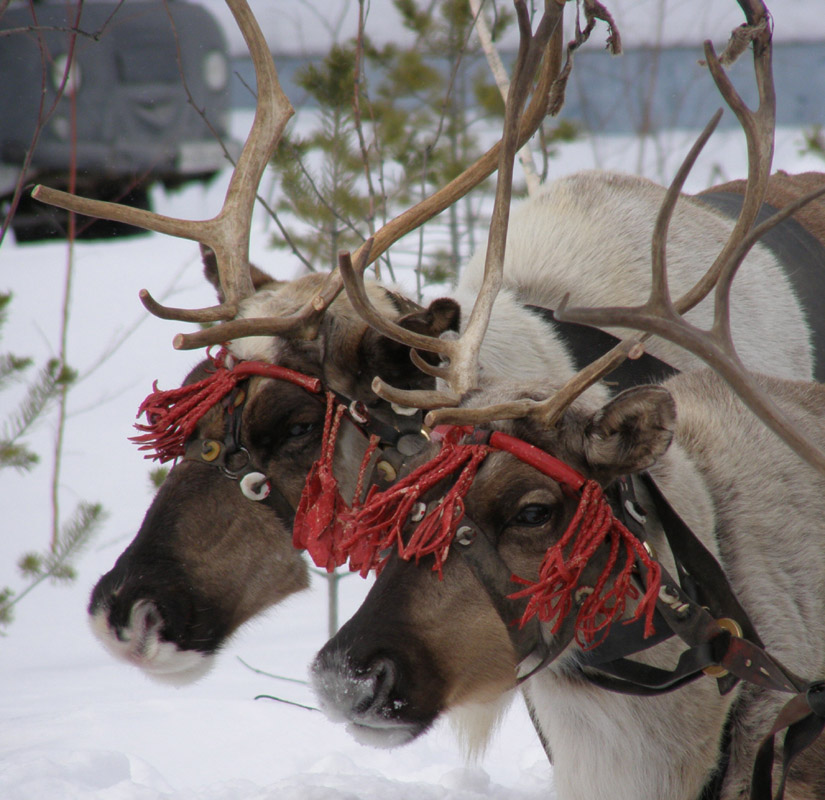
{"x": 442, "y": 315}
{"x": 210, "y": 270}
{"x": 379, "y": 355}
{"x": 631, "y": 432}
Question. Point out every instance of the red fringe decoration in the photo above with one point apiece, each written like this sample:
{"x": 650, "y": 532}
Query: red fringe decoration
{"x": 322, "y": 516}
{"x": 552, "y": 596}
{"x": 378, "y": 524}
{"x": 174, "y": 414}
{"x": 331, "y": 531}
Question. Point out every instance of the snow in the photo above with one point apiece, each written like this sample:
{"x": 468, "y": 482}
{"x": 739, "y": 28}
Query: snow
{"x": 75, "y": 724}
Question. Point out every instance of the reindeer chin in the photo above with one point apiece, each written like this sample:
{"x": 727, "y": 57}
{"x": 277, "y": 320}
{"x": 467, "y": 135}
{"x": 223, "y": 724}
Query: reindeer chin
{"x": 140, "y": 643}
{"x": 386, "y": 736}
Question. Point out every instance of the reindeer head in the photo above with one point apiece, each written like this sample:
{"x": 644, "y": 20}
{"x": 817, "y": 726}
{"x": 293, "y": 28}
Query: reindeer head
{"x": 432, "y": 634}
{"x": 215, "y": 547}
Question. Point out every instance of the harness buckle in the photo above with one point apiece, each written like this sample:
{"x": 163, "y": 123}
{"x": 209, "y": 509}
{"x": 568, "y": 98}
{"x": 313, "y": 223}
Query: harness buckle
{"x": 734, "y": 629}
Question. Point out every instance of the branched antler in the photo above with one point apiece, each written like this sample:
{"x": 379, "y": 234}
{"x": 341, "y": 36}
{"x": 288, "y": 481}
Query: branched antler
{"x": 461, "y": 355}
{"x": 228, "y": 232}
{"x": 659, "y": 315}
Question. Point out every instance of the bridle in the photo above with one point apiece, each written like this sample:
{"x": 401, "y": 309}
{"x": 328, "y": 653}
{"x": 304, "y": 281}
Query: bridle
{"x": 173, "y": 416}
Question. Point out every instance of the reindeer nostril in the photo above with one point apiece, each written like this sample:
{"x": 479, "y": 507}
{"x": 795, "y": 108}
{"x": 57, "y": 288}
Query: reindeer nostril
{"x": 377, "y": 683}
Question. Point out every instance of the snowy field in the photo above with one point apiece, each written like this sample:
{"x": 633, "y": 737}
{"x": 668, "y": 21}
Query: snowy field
{"x": 76, "y": 725}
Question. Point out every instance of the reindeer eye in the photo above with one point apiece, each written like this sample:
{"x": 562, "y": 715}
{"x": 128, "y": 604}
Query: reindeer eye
{"x": 534, "y": 514}
{"x": 299, "y": 429}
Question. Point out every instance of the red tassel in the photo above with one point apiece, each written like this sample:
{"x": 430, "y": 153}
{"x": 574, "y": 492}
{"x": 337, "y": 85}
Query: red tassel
{"x": 174, "y": 414}
{"x": 378, "y": 525}
{"x": 331, "y": 532}
{"x": 323, "y": 516}
{"x": 552, "y": 596}
{"x": 319, "y": 517}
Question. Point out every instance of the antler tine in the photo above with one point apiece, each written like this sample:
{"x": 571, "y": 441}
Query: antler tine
{"x": 303, "y": 324}
{"x": 228, "y": 232}
{"x": 715, "y": 346}
{"x": 549, "y": 411}
{"x": 462, "y": 354}
{"x": 549, "y": 38}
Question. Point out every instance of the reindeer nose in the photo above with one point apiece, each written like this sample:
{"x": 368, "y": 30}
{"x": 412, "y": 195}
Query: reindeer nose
{"x": 347, "y": 691}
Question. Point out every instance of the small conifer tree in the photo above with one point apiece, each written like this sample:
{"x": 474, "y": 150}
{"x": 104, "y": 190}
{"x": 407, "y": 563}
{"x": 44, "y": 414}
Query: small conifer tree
{"x": 56, "y": 561}
{"x": 394, "y": 123}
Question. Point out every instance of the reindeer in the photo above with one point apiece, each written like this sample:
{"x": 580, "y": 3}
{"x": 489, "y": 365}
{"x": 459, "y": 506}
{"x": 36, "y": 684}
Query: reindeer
{"x": 427, "y": 642}
{"x": 538, "y": 551}
{"x": 215, "y": 547}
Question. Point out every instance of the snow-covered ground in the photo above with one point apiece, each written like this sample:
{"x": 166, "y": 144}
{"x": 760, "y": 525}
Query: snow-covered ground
{"x": 74, "y": 724}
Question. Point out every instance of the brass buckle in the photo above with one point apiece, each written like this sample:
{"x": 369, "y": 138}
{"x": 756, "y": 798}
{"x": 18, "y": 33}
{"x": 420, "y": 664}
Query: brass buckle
{"x": 734, "y": 629}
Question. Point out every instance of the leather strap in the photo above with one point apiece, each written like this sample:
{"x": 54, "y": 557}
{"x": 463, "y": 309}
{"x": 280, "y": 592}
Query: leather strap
{"x": 586, "y": 343}
{"x": 801, "y": 255}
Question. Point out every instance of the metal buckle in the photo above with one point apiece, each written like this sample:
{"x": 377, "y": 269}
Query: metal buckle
{"x": 734, "y": 629}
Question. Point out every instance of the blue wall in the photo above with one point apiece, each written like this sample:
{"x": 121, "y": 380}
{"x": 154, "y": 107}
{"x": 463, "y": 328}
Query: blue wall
{"x": 607, "y": 93}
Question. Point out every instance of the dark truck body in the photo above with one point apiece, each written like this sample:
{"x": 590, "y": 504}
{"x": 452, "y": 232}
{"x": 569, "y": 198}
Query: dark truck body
{"x": 134, "y": 123}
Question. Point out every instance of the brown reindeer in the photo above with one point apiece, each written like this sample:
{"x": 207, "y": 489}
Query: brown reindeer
{"x": 215, "y": 547}
{"x": 540, "y": 551}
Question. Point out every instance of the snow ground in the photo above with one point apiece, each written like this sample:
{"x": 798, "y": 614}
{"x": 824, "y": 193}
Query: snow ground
{"x": 76, "y": 725}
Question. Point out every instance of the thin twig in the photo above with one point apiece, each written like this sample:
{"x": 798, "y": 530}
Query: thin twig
{"x": 525, "y": 155}
{"x": 271, "y": 675}
{"x": 359, "y": 128}
{"x": 287, "y": 702}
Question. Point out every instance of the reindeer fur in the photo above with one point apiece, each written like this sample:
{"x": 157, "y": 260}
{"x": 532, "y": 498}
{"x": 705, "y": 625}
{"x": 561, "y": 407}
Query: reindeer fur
{"x": 589, "y": 235}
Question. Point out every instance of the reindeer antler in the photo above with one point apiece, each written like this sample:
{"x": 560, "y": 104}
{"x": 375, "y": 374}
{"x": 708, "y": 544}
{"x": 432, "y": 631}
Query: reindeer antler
{"x": 228, "y": 232}
{"x": 462, "y": 353}
{"x": 659, "y": 315}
